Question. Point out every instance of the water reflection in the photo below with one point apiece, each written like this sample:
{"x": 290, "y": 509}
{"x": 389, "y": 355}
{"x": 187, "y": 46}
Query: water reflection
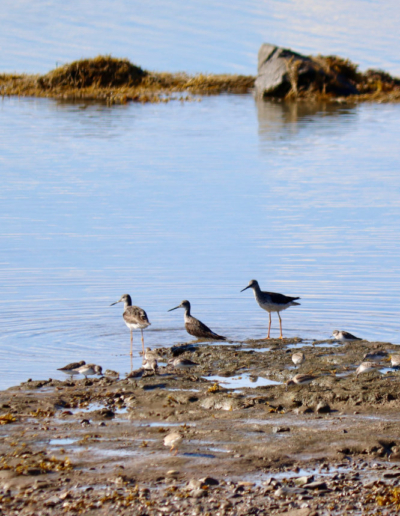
{"x": 277, "y": 120}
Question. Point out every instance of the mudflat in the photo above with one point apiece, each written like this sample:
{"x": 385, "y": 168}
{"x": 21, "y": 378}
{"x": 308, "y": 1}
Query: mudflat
{"x": 250, "y": 445}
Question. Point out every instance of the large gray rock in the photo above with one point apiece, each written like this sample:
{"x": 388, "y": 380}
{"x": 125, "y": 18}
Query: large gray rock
{"x": 282, "y": 71}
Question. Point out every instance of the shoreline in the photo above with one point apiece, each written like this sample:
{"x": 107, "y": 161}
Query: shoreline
{"x": 117, "y": 81}
{"x": 97, "y": 444}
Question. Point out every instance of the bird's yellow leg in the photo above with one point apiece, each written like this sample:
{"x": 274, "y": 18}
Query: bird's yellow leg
{"x": 280, "y": 326}
{"x": 131, "y": 342}
{"x": 269, "y": 326}
{"x": 142, "y": 342}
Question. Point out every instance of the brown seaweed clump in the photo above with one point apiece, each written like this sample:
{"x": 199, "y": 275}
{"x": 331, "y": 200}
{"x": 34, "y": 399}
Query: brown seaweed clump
{"x": 100, "y": 72}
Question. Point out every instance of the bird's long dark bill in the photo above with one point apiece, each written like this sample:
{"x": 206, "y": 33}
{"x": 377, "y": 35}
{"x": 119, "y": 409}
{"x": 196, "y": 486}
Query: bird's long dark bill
{"x": 245, "y": 288}
{"x": 173, "y": 308}
{"x": 116, "y": 302}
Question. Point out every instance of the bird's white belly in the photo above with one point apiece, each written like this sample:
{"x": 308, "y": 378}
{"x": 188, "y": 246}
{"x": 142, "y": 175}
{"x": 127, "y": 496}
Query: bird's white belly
{"x": 136, "y": 326}
{"x": 269, "y": 307}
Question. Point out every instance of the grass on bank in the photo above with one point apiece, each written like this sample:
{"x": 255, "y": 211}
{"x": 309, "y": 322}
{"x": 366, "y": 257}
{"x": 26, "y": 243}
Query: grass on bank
{"x": 115, "y": 80}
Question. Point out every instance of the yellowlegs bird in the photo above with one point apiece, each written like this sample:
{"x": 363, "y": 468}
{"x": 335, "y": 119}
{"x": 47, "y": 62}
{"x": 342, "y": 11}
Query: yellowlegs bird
{"x": 367, "y": 367}
{"x": 173, "y": 440}
{"x": 344, "y": 336}
{"x": 301, "y": 379}
{"x": 194, "y": 326}
{"x": 271, "y": 302}
{"x": 298, "y": 358}
{"x": 135, "y": 318}
{"x": 89, "y": 370}
{"x": 70, "y": 369}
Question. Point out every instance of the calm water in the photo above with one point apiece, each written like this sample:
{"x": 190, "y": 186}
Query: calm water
{"x": 196, "y": 36}
{"x": 193, "y": 200}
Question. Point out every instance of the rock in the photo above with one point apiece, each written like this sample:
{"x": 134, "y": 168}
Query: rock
{"x": 323, "y": 408}
{"x": 303, "y": 410}
{"x": 280, "y": 429}
{"x": 199, "y": 493}
{"x": 102, "y": 414}
{"x": 296, "y": 512}
{"x": 281, "y": 70}
{"x": 51, "y": 502}
{"x": 316, "y": 485}
{"x": 287, "y": 492}
{"x": 209, "y": 481}
{"x": 172, "y": 473}
{"x": 391, "y": 474}
{"x": 300, "y": 481}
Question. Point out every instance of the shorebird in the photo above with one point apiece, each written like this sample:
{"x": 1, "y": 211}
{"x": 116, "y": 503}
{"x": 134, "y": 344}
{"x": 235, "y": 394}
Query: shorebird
{"x": 194, "y": 326}
{"x": 150, "y": 364}
{"x": 395, "y": 360}
{"x": 301, "y": 379}
{"x": 378, "y": 356}
{"x": 135, "y": 318}
{"x": 137, "y": 373}
{"x": 182, "y": 363}
{"x": 173, "y": 440}
{"x": 70, "y": 369}
{"x": 298, "y": 358}
{"x": 89, "y": 370}
{"x": 344, "y": 336}
{"x": 271, "y": 302}
{"x": 367, "y": 367}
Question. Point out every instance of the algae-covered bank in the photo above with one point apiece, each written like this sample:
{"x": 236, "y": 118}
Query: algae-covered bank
{"x": 250, "y": 445}
{"x": 112, "y": 80}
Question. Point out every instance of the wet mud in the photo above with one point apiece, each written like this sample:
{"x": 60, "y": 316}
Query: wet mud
{"x": 250, "y": 445}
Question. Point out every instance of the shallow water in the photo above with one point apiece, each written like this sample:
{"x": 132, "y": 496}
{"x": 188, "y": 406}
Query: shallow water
{"x": 242, "y": 381}
{"x": 190, "y": 201}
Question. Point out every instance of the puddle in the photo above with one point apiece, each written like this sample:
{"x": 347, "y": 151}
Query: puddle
{"x": 61, "y": 442}
{"x": 303, "y": 344}
{"x": 257, "y": 350}
{"x": 183, "y": 390}
{"x": 203, "y": 455}
{"x": 89, "y": 408}
{"x": 241, "y": 381}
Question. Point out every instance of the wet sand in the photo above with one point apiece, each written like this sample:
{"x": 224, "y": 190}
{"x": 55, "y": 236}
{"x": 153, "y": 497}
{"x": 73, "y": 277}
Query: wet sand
{"x": 91, "y": 446}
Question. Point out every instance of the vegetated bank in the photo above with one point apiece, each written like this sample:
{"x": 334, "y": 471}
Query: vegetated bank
{"x": 114, "y": 80}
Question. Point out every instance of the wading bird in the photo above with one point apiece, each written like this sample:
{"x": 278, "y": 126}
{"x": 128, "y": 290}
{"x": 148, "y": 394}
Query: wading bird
{"x": 135, "y": 318}
{"x": 271, "y": 302}
{"x": 194, "y": 326}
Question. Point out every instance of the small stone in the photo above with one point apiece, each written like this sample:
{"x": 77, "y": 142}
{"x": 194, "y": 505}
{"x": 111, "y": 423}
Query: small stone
{"x": 300, "y": 481}
{"x": 51, "y": 502}
{"x": 280, "y": 429}
{"x": 209, "y": 481}
{"x": 172, "y": 473}
{"x": 199, "y": 493}
{"x": 316, "y": 485}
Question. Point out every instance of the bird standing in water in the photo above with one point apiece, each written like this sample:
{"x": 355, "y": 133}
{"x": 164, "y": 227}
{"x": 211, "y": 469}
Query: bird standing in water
{"x": 135, "y": 318}
{"x": 194, "y": 326}
{"x": 271, "y": 302}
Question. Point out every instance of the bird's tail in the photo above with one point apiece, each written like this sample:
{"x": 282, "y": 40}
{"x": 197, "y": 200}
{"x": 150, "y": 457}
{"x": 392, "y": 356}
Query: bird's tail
{"x": 218, "y": 337}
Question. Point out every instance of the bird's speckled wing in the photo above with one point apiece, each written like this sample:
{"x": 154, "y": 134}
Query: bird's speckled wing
{"x": 73, "y": 365}
{"x": 200, "y": 330}
{"x": 135, "y": 315}
{"x": 348, "y": 335}
{"x": 281, "y": 299}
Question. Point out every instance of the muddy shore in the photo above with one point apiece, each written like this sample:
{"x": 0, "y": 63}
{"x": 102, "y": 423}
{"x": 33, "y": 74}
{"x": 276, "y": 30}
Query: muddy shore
{"x": 250, "y": 446}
